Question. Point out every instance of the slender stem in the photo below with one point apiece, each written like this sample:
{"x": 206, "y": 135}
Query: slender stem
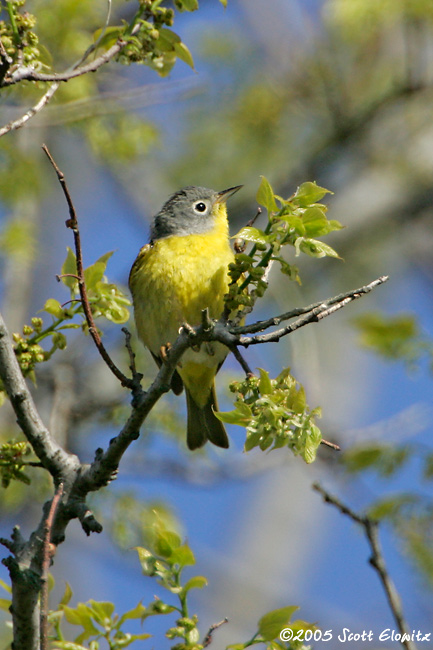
{"x": 21, "y": 121}
{"x": 209, "y": 636}
{"x": 315, "y": 314}
{"x": 48, "y": 552}
{"x": 377, "y": 561}
{"x": 240, "y": 359}
{"x": 72, "y": 223}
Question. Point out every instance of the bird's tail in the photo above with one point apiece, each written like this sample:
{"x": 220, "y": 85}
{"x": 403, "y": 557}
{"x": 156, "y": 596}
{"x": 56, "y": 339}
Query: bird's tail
{"x": 202, "y": 423}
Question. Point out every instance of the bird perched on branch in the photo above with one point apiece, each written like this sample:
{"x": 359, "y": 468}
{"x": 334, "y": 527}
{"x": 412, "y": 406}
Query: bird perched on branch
{"x": 183, "y": 270}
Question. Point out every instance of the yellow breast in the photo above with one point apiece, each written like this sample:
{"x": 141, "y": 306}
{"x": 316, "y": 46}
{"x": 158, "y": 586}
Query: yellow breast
{"x": 175, "y": 278}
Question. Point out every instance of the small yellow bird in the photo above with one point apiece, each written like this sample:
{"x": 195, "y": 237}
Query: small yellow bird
{"x": 183, "y": 270}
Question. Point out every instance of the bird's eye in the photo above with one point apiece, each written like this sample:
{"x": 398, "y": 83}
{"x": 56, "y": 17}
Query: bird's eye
{"x": 200, "y": 206}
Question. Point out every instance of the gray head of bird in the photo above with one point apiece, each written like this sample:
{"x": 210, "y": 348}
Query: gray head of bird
{"x": 190, "y": 211}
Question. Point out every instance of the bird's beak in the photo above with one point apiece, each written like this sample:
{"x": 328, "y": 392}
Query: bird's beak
{"x": 225, "y": 194}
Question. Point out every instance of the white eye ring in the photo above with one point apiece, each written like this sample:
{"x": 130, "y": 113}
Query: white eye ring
{"x": 200, "y": 207}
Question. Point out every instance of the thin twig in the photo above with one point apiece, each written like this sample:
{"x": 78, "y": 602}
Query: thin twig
{"x": 242, "y": 362}
{"x": 32, "y": 75}
{"x": 377, "y": 561}
{"x": 72, "y": 223}
{"x": 131, "y": 352}
{"x": 314, "y": 315}
{"x": 20, "y": 121}
{"x": 332, "y": 445}
{"x": 262, "y": 325}
{"x": 75, "y": 71}
{"x": 208, "y": 638}
{"x": 47, "y": 554}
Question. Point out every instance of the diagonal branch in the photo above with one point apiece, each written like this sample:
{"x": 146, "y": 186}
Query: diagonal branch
{"x": 21, "y": 121}
{"x": 76, "y": 71}
{"x": 30, "y": 74}
{"x": 261, "y": 325}
{"x": 106, "y": 463}
{"x": 72, "y": 223}
{"x": 48, "y": 552}
{"x": 312, "y": 314}
{"x": 377, "y": 561}
{"x": 51, "y": 455}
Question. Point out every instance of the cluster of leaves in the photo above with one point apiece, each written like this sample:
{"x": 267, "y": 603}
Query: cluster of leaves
{"x": 395, "y": 338}
{"x": 106, "y": 299}
{"x": 19, "y": 41}
{"x": 154, "y": 43}
{"x": 295, "y": 222}
{"x": 150, "y": 40}
{"x": 275, "y": 414}
{"x": 164, "y": 560}
{"x": 12, "y": 462}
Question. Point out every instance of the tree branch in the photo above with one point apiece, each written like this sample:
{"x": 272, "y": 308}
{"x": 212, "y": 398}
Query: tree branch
{"x": 312, "y": 314}
{"x": 51, "y": 455}
{"x": 72, "y": 223}
{"x": 21, "y": 121}
{"x": 48, "y": 552}
{"x": 76, "y": 71}
{"x": 209, "y": 636}
{"x": 377, "y": 562}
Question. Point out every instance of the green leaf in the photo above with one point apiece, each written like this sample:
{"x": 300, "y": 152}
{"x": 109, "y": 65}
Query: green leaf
{"x": 241, "y": 415}
{"x": 224, "y": 3}
{"x": 393, "y": 337}
{"x": 54, "y": 308}
{"x": 125, "y": 641}
{"x": 184, "y": 54}
{"x": 295, "y": 222}
{"x": 298, "y": 401}
{"x": 186, "y": 5}
{"x": 67, "y": 595}
{"x": 271, "y": 624}
{"x": 314, "y": 248}
{"x": 102, "y": 611}
{"x": 265, "y": 384}
{"x": 253, "y": 234}
{"x": 197, "y": 582}
{"x": 70, "y": 268}
{"x": 111, "y": 34}
{"x": 147, "y": 560}
{"x": 137, "y": 612}
{"x": 252, "y": 440}
{"x": 309, "y": 193}
{"x": 315, "y": 222}
{"x": 93, "y": 274}
{"x": 166, "y": 40}
{"x": 385, "y": 459}
{"x": 265, "y": 196}
{"x": 312, "y": 444}
{"x": 166, "y": 542}
{"x": 389, "y": 508}
{"x": 183, "y": 556}
{"x": 81, "y": 615}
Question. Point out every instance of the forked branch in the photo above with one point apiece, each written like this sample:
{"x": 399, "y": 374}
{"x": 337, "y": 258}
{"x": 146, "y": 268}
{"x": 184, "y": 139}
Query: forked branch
{"x": 377, "y": 561}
